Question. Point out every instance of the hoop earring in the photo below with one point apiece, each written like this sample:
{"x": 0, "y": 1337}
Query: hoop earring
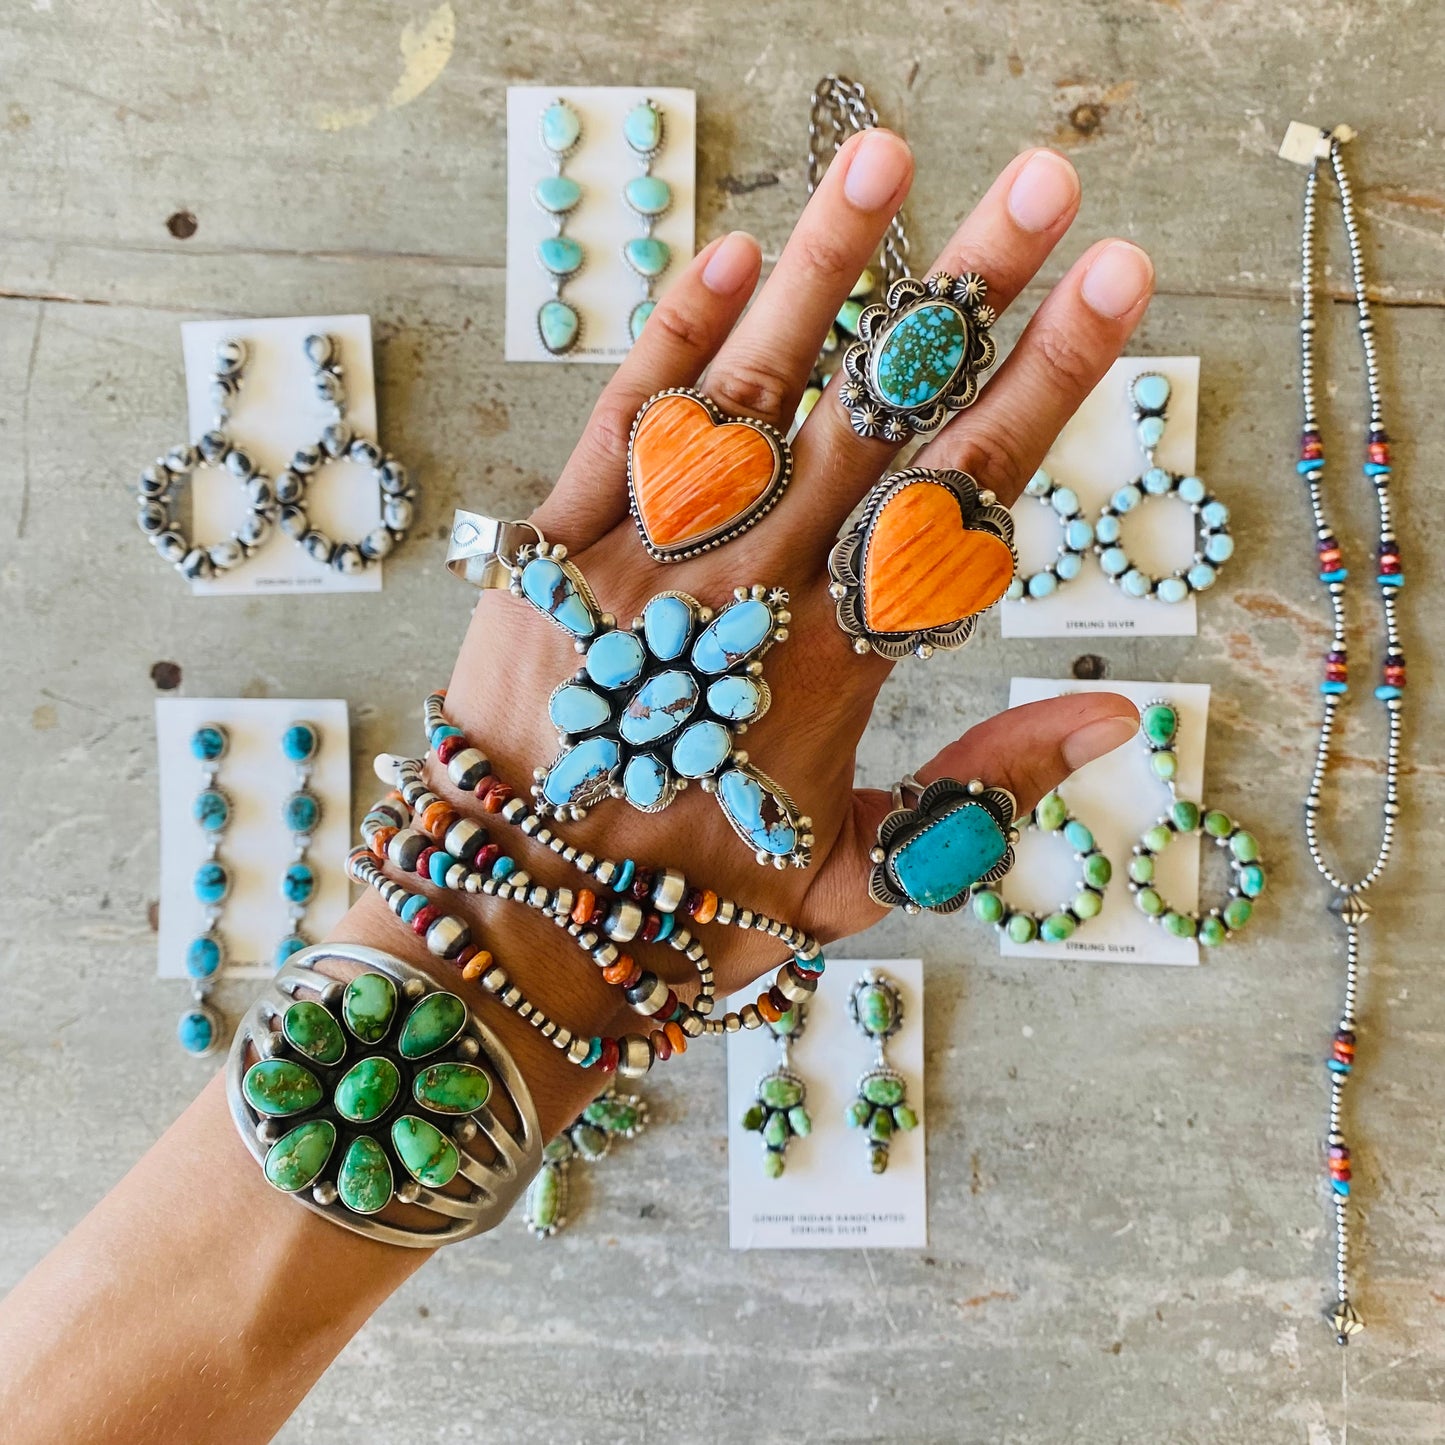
{"x": 1077, "y": 540}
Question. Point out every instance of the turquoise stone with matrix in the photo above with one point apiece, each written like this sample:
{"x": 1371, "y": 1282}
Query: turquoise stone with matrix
{"x": 920, "y": 355}
{"x": 940, "y": 862}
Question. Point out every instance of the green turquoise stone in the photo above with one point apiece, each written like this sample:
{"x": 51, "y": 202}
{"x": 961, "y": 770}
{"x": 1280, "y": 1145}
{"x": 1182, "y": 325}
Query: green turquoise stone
{"x": 591, "y": 1142}
{"x": 1097, "y": 870}
{"x": 295, "y": 1159}
{"x": 559, "y": 325}
{"x": 1158, "y": 838}
{"x": 880, "y": 1126}
{"x": 1212, "y": 932}
{"x": 1050, "y": 813}
{"x": 616, "y": 1116}
{"x": 639, "y": 316}
{"x": 1185, "y": 815}
{"x": 799, "y": 1121}
{"x": 1087, "y": 904}
{"x": 310, "y": 1030}
{"x": 778, "y": 1091}
{"x": 648, "y": 195}
{"x": 1217, "y": 824}
{"x": 773, "y": 1164}
{"x": 647, "y": 255}
{"x": 367, "y": 1090}
{"x": 877, "y": 1012}
{"x": 775, "y": 1131}
{"x": 848, "y": 315}
{"x": 278, "y": 1087}
{"x": 1078, "y": 837}
{"x": 451, "y": 1088}
{"x": 1141, "y": 868}
{"x": 368, "y": 1005}
{"x": 938, "y": 863}
{"x": 1057, "y": 927}
{"x": 1149, "y": 902}
{"x": 1251, "y": 880}
{"x": 557, "y": 1151}
{"x": 883, "y": 1089}
{"x": 919, "y": 355}
{"x": 425, "y": 1152}
{"x": 642, "y": 128}
{"x": 560, "y": 255}
{"x": 1022, "y": 929}
{"x": 753, "y": 1118}
{"x": 1245, "y": 847}
{"x": 1160, "y": 723}
{"x": 878, "y": 1158}
{"x": 1164, "y": 763}
{"x": 1237, "y": 912}
{"x": 864, "y": 284}
{"x": 557, "y": 194}
{"x": 786, "y": 1024}
{"x": 544, "y": 1199}
{"x": 432, "y": 1025}
{"x": 858, "y": 1113}
{"x": 1181, "y": 925}
{"x": 905, "y": 1118}
{"x": 561, "y": 127}
{"x": 987, "y": 906}
{"x": 364, "y": 1180}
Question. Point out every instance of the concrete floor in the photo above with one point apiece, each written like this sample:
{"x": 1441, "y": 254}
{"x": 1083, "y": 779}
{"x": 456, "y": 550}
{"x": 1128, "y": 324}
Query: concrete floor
{"x": 1127, "y": 1224}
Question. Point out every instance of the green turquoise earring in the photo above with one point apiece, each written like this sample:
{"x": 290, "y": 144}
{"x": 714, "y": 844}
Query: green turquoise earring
{"x": 588, "y": 1138}
{"x": 779, "y": 1113}
{"x": 1159, "y": 726}
{"x": 881, "y": 1106}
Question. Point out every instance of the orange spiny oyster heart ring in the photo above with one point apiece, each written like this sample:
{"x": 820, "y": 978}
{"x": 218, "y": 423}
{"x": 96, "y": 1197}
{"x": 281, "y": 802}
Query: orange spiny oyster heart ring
{"x": 918, "y": 355}
{"x": 929, "y": 553}
{"x": 697, "y": 477}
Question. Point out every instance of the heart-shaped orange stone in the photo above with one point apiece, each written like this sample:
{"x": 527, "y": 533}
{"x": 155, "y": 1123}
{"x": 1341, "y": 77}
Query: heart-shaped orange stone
{"x": 693, "y": 477}
{"x": 924, "y": 569}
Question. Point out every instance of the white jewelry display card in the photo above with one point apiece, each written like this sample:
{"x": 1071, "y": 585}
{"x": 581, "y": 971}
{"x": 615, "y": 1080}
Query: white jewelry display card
{"x": 605, "y": 291}
{"x": 827, "y": 1196}
{"x": 277, "y": 411}
{"x": 256, "y": 846}
{"x": 1097, "y": 453}
{"x": 1116, "y": 797}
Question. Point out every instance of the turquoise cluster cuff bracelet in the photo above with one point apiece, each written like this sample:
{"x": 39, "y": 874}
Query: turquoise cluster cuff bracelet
{"x": 365, "y": 1090}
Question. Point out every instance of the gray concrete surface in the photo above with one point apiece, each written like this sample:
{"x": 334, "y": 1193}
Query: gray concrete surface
{"x": 1127, "y": 1228}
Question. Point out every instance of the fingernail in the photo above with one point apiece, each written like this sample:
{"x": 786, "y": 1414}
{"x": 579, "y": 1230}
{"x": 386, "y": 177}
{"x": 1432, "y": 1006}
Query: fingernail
{"x": 1095, "y": 739}
{"x": 879, "y": 166}
{"x": 1043, "y": 191}
{"x": 1118, "y": 279}
{"x": 732, "y": 266}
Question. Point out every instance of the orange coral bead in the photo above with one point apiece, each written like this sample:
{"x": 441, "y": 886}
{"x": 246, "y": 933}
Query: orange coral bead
{"x": 437, "y": 817}
{"x": 582, "y": 908}
{"x": 770, "y": 1011}
{"x": 624, "y": 973}
{"x": 707, "y": 909}
{"x": 476, "y": 966}
{"x": 675, "y": 1037}
{"x": 380, "y": 839}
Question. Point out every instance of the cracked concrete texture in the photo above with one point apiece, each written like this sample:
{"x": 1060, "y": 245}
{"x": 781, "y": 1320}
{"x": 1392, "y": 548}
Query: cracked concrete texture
{"x": 1128, "y": 1235}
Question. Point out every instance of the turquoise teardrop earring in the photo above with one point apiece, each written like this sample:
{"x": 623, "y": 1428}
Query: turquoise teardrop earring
{"x": 649, "y": 198}
{"x": 199, "y": 1027}
{"x": 300, "y": 813}
{"x": 1159, "y": 726}
{"x": 779, "y": 1113}
{"x": 881, "y": 1107}
{"x": 558, "y": 323}
{"x": 588, "y": 1138}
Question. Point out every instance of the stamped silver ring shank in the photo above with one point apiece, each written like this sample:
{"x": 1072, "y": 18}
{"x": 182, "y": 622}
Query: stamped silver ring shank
{"x": 481, "y": 550}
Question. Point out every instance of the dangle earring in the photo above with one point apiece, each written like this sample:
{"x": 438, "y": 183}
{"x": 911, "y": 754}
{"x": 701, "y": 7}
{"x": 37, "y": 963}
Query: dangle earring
{"x": 649, "y": 198}
{"x": 587, "y": 1138}
{"x": 199, "y": 1028}
{"x": 1077, "y": 540}
{"x": 779, "y": 1113}
{"x": 1149, "y": 396}
{"x": 301, "y": 813}
{"x": 876, "y": 1007}
{"x": 1052, "y": 816}
{"x": 558, "y": 323}
{"x": 337, "y": 441}
{"x": 1159, "y": 725}
{"x": 162, "y": 483}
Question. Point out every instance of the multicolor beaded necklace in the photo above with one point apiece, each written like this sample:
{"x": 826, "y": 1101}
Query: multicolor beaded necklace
{"x": 1348, "y": 902}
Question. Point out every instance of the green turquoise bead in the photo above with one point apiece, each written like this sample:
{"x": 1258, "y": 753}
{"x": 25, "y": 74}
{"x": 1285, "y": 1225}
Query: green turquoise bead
{"x": 367, "y": 1090}
{"x": 1251, "y": 880}
{"x": 1158, "y": 838}
{"x": 848, "y": 315}
{"x": 642, "y": 128}
{"x": 1237, "y": 912}
{"x": 753, "y": 1117}
{"x": 591, "y": 1142}
{"x": 277, "y": 1087}
{"x": 1057, "y": 927}
{"x": 775, "y": 1131}
{"x": 772, "y": 1164}
{"x": 1087, "y": 904}
{"x": 364, "y": 1180}
{"x": 1245, "y": 847}
{"x": 431, "y": 1025}
{"x": 987, "y": 906}
{"x": 1181, "y": 925}
{"x": 786, "y": 1024}
{"x": 876, "y": 1011}
{"x": 905, "y": 1118}
{"x": 648, "y": 256}
{"x": 310, "y": 1030}
{"x": 1141, "y": 868}
{"x": 1217, "y": 824}
{"x": 451, "y": 1088}
{"x": 1097, "y": 870}
{"x": 561, "y": 127}
{"x": 1212, "y": 932}
{"x": 1185, "y": 815}
{"x": 558, "y": 1150}
{"x": 294, "y": 1160}
{"x": 544, "y": 1199}
{"x": 557, "y": 194}
{"x": 560, "y": 255}
{"x": 1164, "y": 763}
{"x": 425, "y": 1152}
{"x": 858, "y": 1113}
{"x": 559, "y": 326}
{"x": 648, "y": 195}
{"x": 883, "y": 1089}
{"x": 367, "y": 1006}
{"x": 1078, "y": 837}
{"x": 1022, "y": 929}
{"x": 880, "y": 1126}
{"x": 1050, "y": 813}
{"x": 778, "y": 1091}
{"x": 799, "y": 1121}
{"x": 1159, "y": 723}
{"x": 1149, "y": 902}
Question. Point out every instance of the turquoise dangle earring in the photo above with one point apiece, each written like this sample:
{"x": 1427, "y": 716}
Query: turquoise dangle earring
{"x": 558, "y": 323}
{"x": 649, "y": 198}
{"x": 1052, "y": 816}
{"x": 301, "y": 813}
{"x": 779, "y": 1113}
{"x": 588, "y": 1138}
{"x": 1149, "y": 396}
{"x": 1159, "y": 726}
{"x": 199, "y": 1028}
{"x": 881, "y": 1107}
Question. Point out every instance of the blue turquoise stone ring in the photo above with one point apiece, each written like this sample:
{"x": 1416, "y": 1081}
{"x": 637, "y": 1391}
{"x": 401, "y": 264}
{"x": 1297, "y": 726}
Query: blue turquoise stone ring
{"x": 931, "y": 855}
{"x": 918, "y": 356}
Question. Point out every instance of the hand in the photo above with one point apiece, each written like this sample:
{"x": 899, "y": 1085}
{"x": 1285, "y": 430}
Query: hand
{"x": 823, "y": 692}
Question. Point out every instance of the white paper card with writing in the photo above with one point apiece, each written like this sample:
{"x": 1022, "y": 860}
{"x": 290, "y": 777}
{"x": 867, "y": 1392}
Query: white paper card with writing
{"x": 276, "y": 412}
{"x": 606, "y": 289}
{"x": 1117, "y": 797}
{"x": 256, "y": 846}
{"x": 1097, "y": 453}
{"x": 827, "y": 1196}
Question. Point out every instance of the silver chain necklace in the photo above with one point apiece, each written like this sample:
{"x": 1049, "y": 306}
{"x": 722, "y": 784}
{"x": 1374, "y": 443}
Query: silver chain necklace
{"x": 1348, "y": 902}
